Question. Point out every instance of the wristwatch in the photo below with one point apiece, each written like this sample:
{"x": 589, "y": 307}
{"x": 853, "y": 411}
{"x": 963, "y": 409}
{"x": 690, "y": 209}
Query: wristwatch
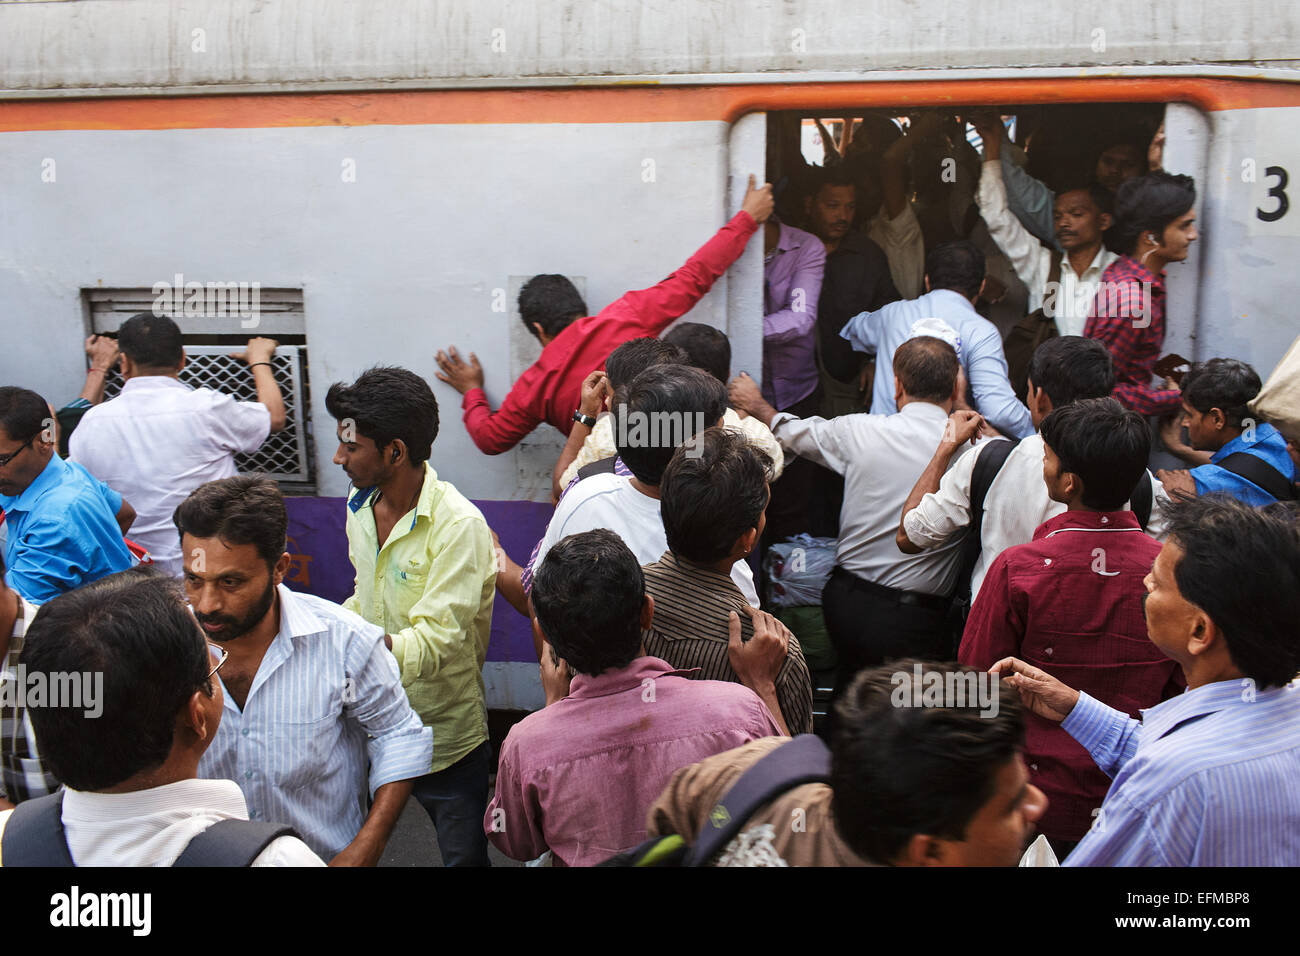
{"x": 582, "y": 419}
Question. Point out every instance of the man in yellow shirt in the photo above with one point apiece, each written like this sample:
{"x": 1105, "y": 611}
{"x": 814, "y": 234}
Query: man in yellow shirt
{"x": 426, "y": 573}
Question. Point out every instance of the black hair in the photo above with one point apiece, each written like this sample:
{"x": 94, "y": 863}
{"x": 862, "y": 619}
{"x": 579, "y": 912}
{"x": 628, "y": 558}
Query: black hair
{"x": 552, "y": 301}
{"x": 387, "y": 403}
{"x": 133, "y": 631}
{"x": 663, "y": 407}
{"x": 713, "y": 491}
{"x": 1148, "y": 204}
{"x": 927, "y": 368}
{"x": 1101, "y": 197}
{"x": 900, "y": 770}
{"x": 587, "y": 595}
{"x": 1222, "y": 383}
{"x": 635, "y": 356}
{"x": 1071, "y": 367}
{"x": 1105, "y": 444}
{"x": 151, "y": 341}
{"x": 821, "y": 176}
{"x": 23, "y": 413}
{"x": 705, "y": 348}
{"x": 1241, "y": 566}
{"x": 957, "y": 265}
{"x": 246, "y": 509}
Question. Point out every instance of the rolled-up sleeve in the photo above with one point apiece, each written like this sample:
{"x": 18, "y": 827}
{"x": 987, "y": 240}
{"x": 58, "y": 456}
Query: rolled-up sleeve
{"x": 989, "y": 381}
{"x": 399, "y": 746}
{"x": 941, "y": 515}
{"x": 1109, "y": 735}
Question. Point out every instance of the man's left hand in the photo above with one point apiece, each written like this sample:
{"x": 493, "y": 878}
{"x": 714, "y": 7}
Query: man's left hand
{"x": 357, "y": 855}
{"x": 456, "y": 372}
{"x": 743, "y": 393}
{"x": 1178, "y": 484}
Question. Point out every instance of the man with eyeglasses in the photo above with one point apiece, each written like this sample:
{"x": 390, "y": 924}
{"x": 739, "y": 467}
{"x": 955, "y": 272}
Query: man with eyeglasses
{"x": 61, "y": 526}
{"x": 132, "y": 796}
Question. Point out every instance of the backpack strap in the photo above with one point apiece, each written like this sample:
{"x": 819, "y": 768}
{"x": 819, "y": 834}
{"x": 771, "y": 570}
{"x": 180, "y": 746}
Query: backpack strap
{"x": 990, "y": 461}
{"x": 1142, "y": 498}
{"x": 1259, "y": 472}
{"x": 34, "y": 834}
{"x": 231, "y": 843}
{"x": 603, "y": 467}
{"x": 804, "y": 759}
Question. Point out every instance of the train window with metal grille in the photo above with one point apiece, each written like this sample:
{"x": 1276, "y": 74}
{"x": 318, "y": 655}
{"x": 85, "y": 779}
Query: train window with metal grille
{"x": 214, "y": 325}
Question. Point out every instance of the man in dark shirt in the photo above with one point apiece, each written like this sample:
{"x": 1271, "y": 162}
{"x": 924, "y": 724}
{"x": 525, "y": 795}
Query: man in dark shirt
{"x": 856, "y": 280}
{"x": 1071, "y": 601}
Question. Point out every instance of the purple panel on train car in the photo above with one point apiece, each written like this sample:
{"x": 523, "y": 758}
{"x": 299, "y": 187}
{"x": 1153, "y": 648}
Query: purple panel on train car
{"x": 318, "y": 545}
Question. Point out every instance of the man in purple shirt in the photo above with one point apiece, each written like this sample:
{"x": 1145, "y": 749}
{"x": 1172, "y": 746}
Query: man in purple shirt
{"x": 794, "y": 263}
{"x": 578, "y": 776}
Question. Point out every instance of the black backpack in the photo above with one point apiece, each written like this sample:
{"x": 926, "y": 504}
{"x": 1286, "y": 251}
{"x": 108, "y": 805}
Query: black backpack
{"x": 34, "y": 837}
{"x": 803, "y": 759}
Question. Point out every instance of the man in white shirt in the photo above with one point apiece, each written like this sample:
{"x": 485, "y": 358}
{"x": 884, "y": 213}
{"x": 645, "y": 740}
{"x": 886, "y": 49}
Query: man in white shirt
{"x": 160, "y": 439}
{"x": 954, "y": 276}
{"x": 1081, "y": 215}
{"x": 129, "y": 762}
{"x": 938, "y": 511}
{"x": 664, "y": 406}
{"x": 877, "y": 605}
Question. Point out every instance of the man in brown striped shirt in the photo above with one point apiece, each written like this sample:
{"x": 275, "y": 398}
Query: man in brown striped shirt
{"x": 712, "y": 499}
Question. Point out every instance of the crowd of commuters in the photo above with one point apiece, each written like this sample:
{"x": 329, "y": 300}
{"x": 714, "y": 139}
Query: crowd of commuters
{"x": 1034, "y": 633}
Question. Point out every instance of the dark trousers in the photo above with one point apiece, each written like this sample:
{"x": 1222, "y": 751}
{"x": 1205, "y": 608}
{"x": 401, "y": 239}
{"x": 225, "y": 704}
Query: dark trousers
{"x": 456, "y": 800}
{"x": 871, "y": 625}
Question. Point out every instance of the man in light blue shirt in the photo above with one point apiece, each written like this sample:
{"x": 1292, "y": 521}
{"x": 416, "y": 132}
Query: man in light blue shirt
{"x": 62, "y": 530}
{"x": 314, "y": 703}
{"x": 1249, "y": 460}
{"x": 1207, "y": 778}
{"x": 954, "y": 276}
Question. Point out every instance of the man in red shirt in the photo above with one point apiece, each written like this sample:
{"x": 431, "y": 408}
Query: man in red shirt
{"x": 1071, "y": 601}
{"x": 574, "y": 346}
{"x": 1155, "y": 225}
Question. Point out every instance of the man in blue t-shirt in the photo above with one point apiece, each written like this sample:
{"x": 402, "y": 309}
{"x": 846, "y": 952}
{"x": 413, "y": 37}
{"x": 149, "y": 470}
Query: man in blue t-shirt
{"x": 1234, "y": 453}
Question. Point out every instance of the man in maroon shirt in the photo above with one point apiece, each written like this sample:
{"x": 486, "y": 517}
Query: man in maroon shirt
{"x": 1070, "y": 601}
{"x": 574, "y": 346}
{"x": 1155, "y": 224}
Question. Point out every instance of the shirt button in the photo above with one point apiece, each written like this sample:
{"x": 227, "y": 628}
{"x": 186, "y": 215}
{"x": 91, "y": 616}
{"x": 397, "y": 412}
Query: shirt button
{"x": 244, "y": 731}
{"x": 1105, "y": 520}
{"x": 248, "y": 775}
{"x": 1048, "y": 652}
{"x": 252, "y": 814}
{"x": 1047, "y": 560}
{"x": 1033, "y": 766}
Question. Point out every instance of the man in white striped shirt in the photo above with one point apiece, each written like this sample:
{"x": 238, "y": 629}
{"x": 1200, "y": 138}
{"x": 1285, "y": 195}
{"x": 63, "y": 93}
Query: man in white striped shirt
{"x": 312, "y": 695}
{"x": 1207, "y": 778}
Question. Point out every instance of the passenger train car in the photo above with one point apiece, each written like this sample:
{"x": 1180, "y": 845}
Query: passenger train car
{"x": 370, "y": 182}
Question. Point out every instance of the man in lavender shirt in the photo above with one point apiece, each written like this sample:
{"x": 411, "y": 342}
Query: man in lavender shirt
{"x": 578, "y": 776}
{"x": 794, "y": 263}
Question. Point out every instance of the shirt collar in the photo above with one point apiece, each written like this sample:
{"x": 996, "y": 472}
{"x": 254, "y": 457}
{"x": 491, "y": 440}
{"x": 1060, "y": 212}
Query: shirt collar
{"x": 1100, "y": 261}
{"x": 1141, "y": 272}
{"x": 950, "y": 295}
{"x": 430, "y": 495}
{"x": 182, "y": 797}
{"x": 628, "y": 678}
{"x": 1159, "y": 720}
{"x": 1088, "y": 521}
{"x": 142, "y": 383}
{"x": 51, "y": 476}
{"x": 919, "y": 409}
{"x": 689, "y": 569}
{"x": 791, "y": 238}
{"x": 297, "y": 619}
{"x": 1240, "y": 444}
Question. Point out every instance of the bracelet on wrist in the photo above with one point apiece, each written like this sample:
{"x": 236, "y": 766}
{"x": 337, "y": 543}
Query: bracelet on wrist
{"x": 93, "y": 369}
{"x": 256, "y": 364}
{"x": 582, "y": 419}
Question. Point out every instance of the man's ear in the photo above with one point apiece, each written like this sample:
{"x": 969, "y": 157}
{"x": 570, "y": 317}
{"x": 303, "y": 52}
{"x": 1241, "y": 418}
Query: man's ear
{"x": 539, "y": 331}
{"x": 184, "y": 358}
{"x": 195, "y": 714}
{"x": 281, "y": 568}
{"x": 921, "y": 850}
{"x": 745, "y": 543}
{"x": 1217, "y": 418}
{"x": 898, "y": 391}
{"x": 1204, "y": 636}
{"x": 1105, "y": 221}
{"x": 926, "y": 282}
{"x": 647, "y": 612}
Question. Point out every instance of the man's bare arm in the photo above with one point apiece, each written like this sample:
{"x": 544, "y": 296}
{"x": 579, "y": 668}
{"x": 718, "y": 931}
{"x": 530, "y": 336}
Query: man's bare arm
{"x": 963, "y": 426}
{"x": 368, "y": 845}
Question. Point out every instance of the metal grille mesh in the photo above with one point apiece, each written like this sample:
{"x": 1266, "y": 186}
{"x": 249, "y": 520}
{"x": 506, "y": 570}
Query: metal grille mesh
{"x": 284, "y": 455}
